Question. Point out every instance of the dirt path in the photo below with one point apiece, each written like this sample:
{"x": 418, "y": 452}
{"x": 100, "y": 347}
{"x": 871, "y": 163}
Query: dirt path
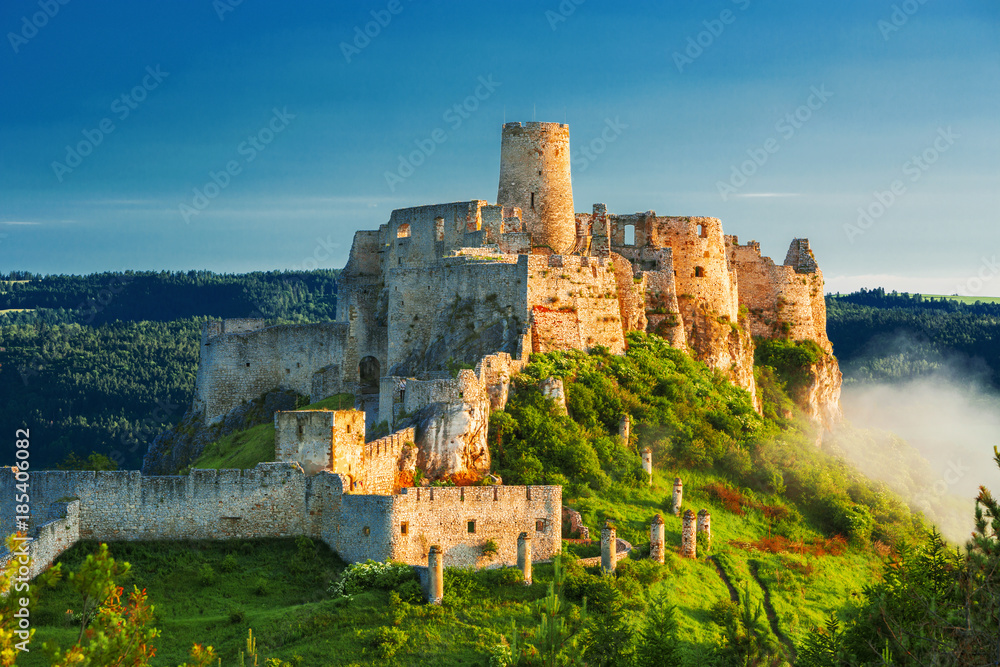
{"x": 733, "y": 595}
{"x": 772, "y": 616}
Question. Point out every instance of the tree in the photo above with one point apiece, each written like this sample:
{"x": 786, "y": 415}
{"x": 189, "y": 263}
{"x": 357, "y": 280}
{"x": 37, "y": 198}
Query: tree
{"x": 112, "y": 631}
{"x": 555, "y": 640}
{"x": 658, "y": 644}
{"x": 610, "y": 639}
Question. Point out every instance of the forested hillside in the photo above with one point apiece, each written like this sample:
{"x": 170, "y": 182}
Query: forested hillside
{"x": 881, "y": 336}
{"x": 104, "y": 362}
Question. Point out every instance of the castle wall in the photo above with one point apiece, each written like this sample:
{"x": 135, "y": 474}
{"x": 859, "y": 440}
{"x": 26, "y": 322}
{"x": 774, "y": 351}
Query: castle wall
{"x": 442, "y": 515}
{"x": 535, "y": 177}
{"x": 241, "y": 359}
{"x": 460, "y": 308}
{"x": 361, "y": 306}
{"x": 700, "y": 264}
{"x": 53, "y": 538}
{"x": 574, "y": 303}
{"x": 380, "y": 464}
{"x": 782, "y": 301}
{"x": 267, "y": 501}
{"x": 279, "y": 500}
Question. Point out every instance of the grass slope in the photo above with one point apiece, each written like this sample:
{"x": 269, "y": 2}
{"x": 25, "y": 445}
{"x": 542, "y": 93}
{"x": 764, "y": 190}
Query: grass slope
{"x": 763, "y": 479}
{"x": 246, "y": 448}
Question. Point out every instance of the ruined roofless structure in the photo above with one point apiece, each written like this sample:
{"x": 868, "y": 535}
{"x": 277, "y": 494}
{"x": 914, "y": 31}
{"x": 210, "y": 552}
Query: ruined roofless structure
{"x": 450, "y": 285}
{"x": 468, "y": 285}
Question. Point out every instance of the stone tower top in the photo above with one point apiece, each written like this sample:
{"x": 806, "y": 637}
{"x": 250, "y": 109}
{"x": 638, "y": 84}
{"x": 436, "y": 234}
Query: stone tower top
{"x": 535, "y": 177}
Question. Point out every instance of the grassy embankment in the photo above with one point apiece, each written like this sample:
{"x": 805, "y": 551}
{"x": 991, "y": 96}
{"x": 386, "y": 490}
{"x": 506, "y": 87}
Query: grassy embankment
{"x": 767, "y": 486}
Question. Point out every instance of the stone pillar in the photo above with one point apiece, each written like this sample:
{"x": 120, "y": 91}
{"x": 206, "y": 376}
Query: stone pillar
{"x": 647, "y": 463}
{"x": 625, "y": 428}
{"x": 524, "y": 556}
{"x": 705, "y": 526}
{"x": 609, "y": 547}
{"x": 689, "y": 547}
{"x": 656, "y": 539}
{"x": 435, "y": 575}
{"x": 553, "y": 388}
{"x": 678, "y": 497}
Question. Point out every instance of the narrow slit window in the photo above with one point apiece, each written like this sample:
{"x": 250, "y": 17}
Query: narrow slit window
{"x": 532, "y": 201}
{"x": 404, "y": 528}
{"x": 470, "y": 526}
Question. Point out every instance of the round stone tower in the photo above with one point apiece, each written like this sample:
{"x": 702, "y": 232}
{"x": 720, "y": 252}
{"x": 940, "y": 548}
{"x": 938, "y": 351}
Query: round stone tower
{"x": 535, "y": 176}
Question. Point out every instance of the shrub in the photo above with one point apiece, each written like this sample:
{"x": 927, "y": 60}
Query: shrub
{"x": 360, "y": 577}
{"x": 599, "y": 590}
{"x": 490, "y": 549}
{"x": 229, "y": 563}
{"x": 387, "y": 641}
{"x": 206, "y": 575}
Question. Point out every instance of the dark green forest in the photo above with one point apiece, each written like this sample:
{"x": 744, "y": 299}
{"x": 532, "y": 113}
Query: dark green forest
{"x": 888, "y": 337}
{"x": 104, "y": 362}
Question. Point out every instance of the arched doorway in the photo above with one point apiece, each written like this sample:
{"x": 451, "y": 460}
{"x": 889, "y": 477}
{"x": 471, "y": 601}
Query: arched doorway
{"x": 370, "y": 373}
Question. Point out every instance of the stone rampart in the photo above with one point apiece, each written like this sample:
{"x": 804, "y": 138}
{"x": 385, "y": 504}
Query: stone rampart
{"x": 241, "y": 361}
{"x": 52, "y": 539}
{"x": 783, "y": 301}
{"x": 280, "y": 500}
{"x": 267, "y": 501}
{"x": 462, "y": 519}
{"x": 460, "y": 309}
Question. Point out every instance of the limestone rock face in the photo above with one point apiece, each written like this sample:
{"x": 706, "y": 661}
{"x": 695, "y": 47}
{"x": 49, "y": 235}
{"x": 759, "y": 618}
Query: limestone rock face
{"x": 725, "y": 346}
{"x": 451, "y": 439}
{"x": 821, "y": 397}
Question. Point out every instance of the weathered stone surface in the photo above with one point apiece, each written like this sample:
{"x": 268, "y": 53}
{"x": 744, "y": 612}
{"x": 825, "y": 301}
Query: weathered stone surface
{"x": 280, "y": 500}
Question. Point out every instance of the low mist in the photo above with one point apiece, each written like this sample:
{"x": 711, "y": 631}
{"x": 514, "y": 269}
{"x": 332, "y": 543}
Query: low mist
{"x": 946, "y": 424}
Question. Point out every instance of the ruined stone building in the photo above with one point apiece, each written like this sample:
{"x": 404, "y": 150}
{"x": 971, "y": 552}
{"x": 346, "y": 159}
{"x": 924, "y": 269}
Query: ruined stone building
{"x": 471, "y": 287}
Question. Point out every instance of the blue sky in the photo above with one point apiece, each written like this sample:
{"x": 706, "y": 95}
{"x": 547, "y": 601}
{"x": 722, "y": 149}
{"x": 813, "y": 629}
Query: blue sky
{"x": 689, "y": 92}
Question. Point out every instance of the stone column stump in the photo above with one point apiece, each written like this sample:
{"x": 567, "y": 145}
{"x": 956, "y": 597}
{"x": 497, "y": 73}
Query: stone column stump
{"x": 609, "y": 547}
{"x": 656, "y": 539}
{"x": 524, "y": 556}
{"x": 689, "y": 546}
{"x": 435, "y": 575}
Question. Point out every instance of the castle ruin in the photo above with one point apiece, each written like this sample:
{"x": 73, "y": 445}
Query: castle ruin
{"x": 436, "y": 310}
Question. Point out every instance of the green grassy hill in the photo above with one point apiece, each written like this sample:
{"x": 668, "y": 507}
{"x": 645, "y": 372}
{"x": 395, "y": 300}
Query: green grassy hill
{"x": 795, "y": 529}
